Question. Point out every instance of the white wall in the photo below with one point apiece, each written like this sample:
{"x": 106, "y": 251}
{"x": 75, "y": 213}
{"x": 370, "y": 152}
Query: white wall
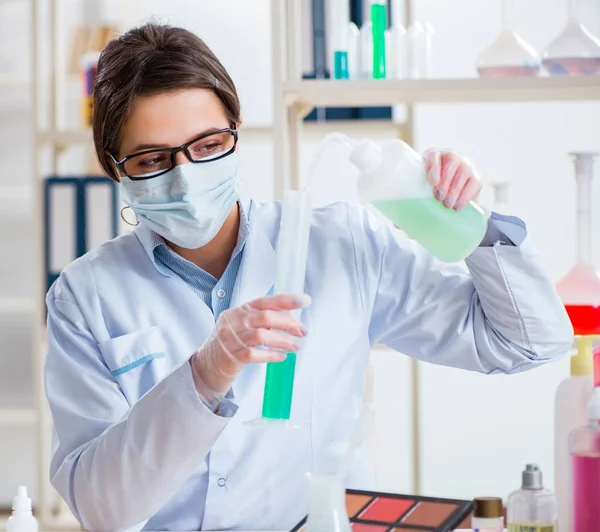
{"x": 477, "y": 432}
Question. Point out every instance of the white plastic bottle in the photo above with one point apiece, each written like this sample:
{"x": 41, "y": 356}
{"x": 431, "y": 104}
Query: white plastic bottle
{"x": 366, "y": 50}
{"x": 397, "y": 45}
{"x": 393, "y": 179}
{"x": 570, "y": 411}
{"x": 22, "y": 519}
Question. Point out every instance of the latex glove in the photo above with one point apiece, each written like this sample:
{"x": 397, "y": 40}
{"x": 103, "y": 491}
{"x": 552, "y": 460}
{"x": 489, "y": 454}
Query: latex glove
{"x": 237, "y": 336}
{"x": 454, "y": 179}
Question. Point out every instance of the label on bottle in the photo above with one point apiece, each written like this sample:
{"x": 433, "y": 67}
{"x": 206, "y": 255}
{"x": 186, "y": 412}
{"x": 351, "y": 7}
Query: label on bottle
{"x": 531, "y": 528}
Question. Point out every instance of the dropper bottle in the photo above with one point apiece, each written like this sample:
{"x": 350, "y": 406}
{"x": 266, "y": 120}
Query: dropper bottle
{"x": 22, "y": 519}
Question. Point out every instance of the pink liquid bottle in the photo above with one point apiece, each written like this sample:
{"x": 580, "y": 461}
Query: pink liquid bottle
{"x": 584, "y": 448}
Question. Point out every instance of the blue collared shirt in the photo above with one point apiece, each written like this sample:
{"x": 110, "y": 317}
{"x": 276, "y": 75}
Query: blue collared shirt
{"x": 215, "y": 293}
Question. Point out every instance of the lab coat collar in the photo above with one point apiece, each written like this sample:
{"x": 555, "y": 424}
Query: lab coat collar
{"x": 258, "y": 270}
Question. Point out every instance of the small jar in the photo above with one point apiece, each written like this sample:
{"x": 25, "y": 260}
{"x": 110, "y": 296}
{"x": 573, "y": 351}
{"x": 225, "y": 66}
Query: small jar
{"x": 488, "y": 515}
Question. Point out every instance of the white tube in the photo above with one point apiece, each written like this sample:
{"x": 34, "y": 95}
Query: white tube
{"x": 584, "y": 172}
{"x": 292, "y": 246}
{"x": 339, "y": 137}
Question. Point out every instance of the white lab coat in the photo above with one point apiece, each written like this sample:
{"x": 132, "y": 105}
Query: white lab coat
{"x": 132, "y": 436}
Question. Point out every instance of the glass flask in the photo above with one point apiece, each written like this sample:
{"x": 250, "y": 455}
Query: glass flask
{"x": 580, "y": 288}
{"x": 509, "y": 55}
{"x": 327, "y": 505}
{"x": 575, "y": 52}
{"x": 532, "y": 508}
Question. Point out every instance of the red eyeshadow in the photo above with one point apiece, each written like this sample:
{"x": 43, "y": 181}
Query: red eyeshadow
{"x": 362, "y": 527}
{"x": 386, "y": 510}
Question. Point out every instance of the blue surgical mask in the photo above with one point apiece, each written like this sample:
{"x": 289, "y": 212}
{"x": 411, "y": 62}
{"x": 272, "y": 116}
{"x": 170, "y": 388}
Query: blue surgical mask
{"x": 189, "y": 204}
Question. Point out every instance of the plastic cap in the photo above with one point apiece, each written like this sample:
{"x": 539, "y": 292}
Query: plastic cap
{"x": 488, "y": 507}
{"x": 366, "y": 155}
{"x": 582, "y": 364}
{"x": 21, "y": 503}
{"x": 532, "y": 478}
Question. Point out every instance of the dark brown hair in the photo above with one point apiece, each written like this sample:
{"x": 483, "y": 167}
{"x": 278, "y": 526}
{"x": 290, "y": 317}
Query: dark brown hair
{"x": 152, "y": 59}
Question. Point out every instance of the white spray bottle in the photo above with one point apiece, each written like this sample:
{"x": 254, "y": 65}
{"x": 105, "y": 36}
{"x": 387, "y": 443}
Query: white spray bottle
{"x": 22, "y": 519}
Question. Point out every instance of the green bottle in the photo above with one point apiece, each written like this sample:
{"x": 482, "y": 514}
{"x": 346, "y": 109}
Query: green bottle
{"x": 393, "y": 179}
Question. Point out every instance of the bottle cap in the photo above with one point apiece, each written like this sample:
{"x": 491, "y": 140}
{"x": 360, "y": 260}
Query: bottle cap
{"x": 488, "y": 507}
{"x": 366, "y": 155}
{"x": 21, "y": 503}
{"x": 532, "y": 478}
{"x": 582, "y": 363}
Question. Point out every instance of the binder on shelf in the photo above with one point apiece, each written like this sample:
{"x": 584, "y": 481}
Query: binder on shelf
{"x": 79, "y": 214}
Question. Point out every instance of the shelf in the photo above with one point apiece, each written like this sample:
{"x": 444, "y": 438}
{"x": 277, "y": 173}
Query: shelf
{"x": 14, "y": 82}
{"x": 11, "y": 193}
{"x": 66, "y": 137}
{"x": 16, "y": 305}
{"x": 18, "y": 417}
{"x": 345, "y": 93}
{"x": 83, "y": 137}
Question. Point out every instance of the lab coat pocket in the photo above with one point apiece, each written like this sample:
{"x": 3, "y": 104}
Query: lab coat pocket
{"x": 138, "y": 361}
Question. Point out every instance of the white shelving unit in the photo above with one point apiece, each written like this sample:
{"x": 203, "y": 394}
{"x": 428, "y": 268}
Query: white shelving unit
{"x": 294, "y": 97}
{"x": 46, "y": 92}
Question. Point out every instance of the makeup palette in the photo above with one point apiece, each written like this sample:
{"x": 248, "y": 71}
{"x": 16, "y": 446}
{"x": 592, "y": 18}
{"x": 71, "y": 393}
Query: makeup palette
{"x": 384, "y": 512}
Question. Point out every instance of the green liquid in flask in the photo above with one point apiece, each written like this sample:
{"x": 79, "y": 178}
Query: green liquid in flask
{"x": 379, "y": 22}
{"x": 448, "y": 234}
{"x": 279, "y": 388}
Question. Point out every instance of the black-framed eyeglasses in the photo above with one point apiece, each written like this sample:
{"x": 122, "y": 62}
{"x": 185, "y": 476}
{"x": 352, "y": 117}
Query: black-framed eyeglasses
{"x": 154, "y": 162}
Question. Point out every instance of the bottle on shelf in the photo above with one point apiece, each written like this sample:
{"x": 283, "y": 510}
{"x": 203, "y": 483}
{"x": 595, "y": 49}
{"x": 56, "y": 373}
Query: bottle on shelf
{"x": 575, "y": 51}
{"x": 420, "y": 58}
{"x": 379, "y": 28}
{"x": 397, "y": 44}
{"x": 532, "y": 508}
{"x": 509, "y": 55}
{"x": 345, "y": 43}
{"x": 366, "y": 51}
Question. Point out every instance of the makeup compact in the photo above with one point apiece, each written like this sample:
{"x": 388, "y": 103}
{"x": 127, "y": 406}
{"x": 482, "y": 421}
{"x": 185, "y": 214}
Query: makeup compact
{"x": 384, "y": 512}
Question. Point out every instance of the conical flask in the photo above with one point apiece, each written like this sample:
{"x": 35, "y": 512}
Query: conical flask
{"x": 575, "y": 52}
{"x": 509, "y": 55}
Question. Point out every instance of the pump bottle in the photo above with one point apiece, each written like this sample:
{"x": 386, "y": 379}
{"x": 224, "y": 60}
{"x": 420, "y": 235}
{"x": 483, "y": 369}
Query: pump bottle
{"x": 570, "y": 411}
{"x": 584, "y": 449}
{"x": 532, "y": 508}
{"x": 22, "y": 519}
